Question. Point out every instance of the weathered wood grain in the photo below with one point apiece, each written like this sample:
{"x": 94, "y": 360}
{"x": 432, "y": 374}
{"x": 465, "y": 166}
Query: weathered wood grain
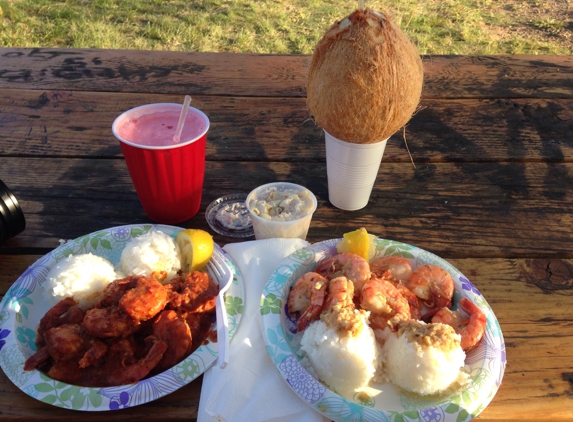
{"x": 453, "y": 209}
{"x": 538, "y": 345}
{"x": 78, "y": 124}
{"x": 532, "y": 307}
{"x": 491, "y": 190}
{"x": 262, "y": 75}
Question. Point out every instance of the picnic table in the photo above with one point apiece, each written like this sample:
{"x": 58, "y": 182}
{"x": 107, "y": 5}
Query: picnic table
{"x": 482, "y": 176}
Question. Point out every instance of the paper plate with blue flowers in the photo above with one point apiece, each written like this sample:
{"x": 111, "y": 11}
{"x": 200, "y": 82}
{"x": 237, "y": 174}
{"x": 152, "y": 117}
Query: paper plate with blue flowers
{"x": 23, "y": 306}
{"x": 379, "y": 402}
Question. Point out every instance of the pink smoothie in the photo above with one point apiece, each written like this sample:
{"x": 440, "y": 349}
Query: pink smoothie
{"x": 167, "y": 177}
{"x": 158, "y": 128}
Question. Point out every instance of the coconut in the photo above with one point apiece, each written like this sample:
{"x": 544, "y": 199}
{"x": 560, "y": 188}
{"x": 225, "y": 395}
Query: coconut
{"x": 365, "y": 78}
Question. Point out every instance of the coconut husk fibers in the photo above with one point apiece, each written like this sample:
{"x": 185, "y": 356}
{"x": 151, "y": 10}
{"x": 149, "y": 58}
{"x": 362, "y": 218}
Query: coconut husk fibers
{"x": 365, "y": 78}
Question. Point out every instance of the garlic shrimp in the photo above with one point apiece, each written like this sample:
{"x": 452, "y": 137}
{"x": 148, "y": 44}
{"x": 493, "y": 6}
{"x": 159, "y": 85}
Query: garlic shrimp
{"x": 340, "y": 291}
{"x": 385, "y": 303}
{"x": 307, "y": 298}
{"x": 470, "y": 328}
{"x": 349, "y": 265}
{"x": 433, "y": 286}
{"x": 400, "y": 268}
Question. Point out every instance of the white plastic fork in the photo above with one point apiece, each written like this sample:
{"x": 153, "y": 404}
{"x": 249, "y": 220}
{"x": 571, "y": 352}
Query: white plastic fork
{"x": 223, "y": 275}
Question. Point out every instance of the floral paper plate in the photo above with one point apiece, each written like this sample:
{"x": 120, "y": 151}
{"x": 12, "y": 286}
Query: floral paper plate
{"x": 23, "y": 306}
{"x": 380, "y": 402}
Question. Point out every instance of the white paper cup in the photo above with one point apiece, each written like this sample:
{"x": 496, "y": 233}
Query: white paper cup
{"x": 351, "y": 170}
{"x": 267, "y": 229}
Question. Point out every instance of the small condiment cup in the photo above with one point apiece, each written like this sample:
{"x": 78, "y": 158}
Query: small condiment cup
{"x": 266, "y": 229}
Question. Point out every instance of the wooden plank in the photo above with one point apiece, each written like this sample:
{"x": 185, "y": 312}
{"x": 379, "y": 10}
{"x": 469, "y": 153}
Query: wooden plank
{"x": 159, "y": 72}
{"x": 267, "y": 75}
{"x": 12, "y": 267}
{"x": 78, "y": 124}
{"x": 538, "y": 338}
{"x": 181, "y": 405}
{"x": 531, "y": 300}
{"x": 452, "y": 209}
{"x": 491, "y": 190}
{"x": 514, "y": 76}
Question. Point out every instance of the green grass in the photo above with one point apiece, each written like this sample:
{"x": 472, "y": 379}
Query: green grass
{"x": 262, "y": 26}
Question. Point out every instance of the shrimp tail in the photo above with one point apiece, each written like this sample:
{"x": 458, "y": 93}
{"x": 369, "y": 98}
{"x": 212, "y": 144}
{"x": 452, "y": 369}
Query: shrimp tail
{"x": 133, "y": 373}
{"x": 37, "y": 359}
{"x": 476, "y": 326}
{"x": 310, "y": 315}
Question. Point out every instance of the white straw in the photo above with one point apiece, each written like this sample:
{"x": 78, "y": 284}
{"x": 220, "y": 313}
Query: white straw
{"x": 182, "y": 116}
{"x": 361, "y": 5}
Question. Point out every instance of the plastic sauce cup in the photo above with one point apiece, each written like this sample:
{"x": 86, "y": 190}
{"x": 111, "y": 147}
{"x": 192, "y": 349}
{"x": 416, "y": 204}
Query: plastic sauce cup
{"x": 266, "y": 229}
{"x": 167, "y": 176}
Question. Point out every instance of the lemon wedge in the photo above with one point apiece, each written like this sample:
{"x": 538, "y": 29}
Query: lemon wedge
{"x": 358, "y": 242}
{"x": 196, "y": 247}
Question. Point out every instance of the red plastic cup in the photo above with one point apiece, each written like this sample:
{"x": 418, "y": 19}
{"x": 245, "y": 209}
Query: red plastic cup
{"x": 167, "y": 177}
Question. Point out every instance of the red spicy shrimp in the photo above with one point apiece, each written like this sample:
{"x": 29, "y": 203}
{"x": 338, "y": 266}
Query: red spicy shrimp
{"x": 199, "y": 324}
{"x": 109, "y": 322}
{"x": 195, "y": 292}
{"x": 144, "y": 300}
{"x": 433, "y": 285}
{"x": 68, "y": 371}
{"x": 132, "y": 301}
{"x": 129, "y": 374}
{"x": 174, "y": 331}
{"x": 471, "y": 329}
{"x": 68, "y": 342}
{"x": 349, "y": 265}
{"x": 115, "y": 290}
{"x": 66, "y": 311}
{"x": 41, "y": 356}
{"x": 307, "y": 297}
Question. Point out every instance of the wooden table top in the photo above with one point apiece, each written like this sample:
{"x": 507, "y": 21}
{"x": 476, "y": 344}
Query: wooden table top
{"x": 491, "y": 190}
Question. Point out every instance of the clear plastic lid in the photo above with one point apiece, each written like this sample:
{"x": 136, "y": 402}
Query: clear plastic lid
{"x": 229, "y": 216}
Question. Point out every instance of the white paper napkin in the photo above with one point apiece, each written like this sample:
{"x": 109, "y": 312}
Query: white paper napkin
{"x": 250, "y": 388}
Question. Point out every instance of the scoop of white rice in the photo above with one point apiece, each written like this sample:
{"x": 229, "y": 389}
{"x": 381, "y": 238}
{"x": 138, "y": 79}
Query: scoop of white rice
{"x": 345, "y": 363}
{"x": 82, "y": 276}
{"x": 150, "y": 252}
{"x": 418, "y": 361}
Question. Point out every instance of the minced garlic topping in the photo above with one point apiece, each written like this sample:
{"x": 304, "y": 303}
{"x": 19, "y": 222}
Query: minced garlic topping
{"x": 440, "y": 336}
{"x": 346, "y": 319}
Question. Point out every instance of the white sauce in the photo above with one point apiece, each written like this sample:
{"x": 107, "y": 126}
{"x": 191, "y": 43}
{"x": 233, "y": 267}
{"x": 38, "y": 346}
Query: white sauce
{"x": 281, "y": 205}
{"x": 233, "y": 216}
